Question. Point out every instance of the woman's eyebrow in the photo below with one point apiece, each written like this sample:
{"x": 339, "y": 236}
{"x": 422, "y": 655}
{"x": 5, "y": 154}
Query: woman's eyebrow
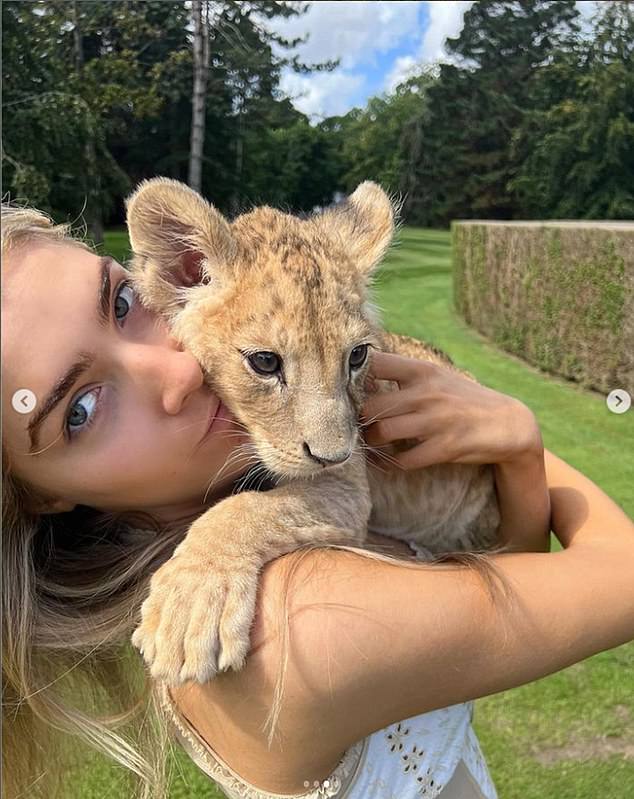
{"x": 84, "y": 360}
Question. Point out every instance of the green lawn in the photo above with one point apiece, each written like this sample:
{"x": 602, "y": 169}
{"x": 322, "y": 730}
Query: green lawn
{"x": 569, "y": 736}
{"x": 560, "y": 737}
{"x": 116, "y": 244}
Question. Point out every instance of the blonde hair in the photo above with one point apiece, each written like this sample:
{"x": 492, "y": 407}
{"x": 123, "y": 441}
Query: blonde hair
{"x": 72, "y": 587}
{"x": 21, "y": 224}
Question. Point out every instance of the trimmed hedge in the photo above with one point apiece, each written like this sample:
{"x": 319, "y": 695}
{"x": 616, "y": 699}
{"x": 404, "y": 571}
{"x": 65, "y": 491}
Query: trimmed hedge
{"x": 558, "y": 294}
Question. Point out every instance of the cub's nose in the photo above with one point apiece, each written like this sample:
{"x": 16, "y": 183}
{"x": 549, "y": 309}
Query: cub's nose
{"x": 341, "y": 457}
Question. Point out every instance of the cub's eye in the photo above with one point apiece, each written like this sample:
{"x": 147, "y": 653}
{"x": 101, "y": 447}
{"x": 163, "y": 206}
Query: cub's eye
{"x": 358, "y": 356}
{"x": 265, "y": 363}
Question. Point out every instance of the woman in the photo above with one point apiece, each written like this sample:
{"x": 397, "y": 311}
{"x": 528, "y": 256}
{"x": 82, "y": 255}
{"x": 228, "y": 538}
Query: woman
{"x": 103, "y": 474}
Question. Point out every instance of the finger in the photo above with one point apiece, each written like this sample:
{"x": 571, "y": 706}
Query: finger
{"x": 424, "y": 454}
{"x": 409, "y": 425}
{"x": 382, "y": 406}
{"x": 388, "y": 366}
{"x": 393, "y": 403}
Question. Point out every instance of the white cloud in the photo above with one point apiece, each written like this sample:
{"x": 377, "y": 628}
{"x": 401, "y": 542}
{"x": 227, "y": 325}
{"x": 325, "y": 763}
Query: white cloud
{"x": 322, "y": 94}
{"x": 445, "y": 21}
{"x": 351, "y": 31}
{"x": 586, "y": 9}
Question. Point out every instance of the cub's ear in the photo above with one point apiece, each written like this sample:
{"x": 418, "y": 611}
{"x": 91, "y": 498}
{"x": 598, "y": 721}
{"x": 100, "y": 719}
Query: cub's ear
{"x": 365, "y": 224}
{"x": 178, "y": 240}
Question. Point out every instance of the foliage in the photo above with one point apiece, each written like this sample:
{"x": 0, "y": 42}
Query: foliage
{"x": 98, "y": 96}
{"x": 545, "y": 276}
{"x": 376, "y": 141}
{"x": 73, "y": 80}
{"x": 477, "y": 103}
{"x": 578, "y": 156}
{"x": 530, "y": 118}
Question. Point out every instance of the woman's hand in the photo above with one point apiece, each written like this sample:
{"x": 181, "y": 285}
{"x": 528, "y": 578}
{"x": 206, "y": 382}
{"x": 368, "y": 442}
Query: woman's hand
{"x": 455, "y": 419}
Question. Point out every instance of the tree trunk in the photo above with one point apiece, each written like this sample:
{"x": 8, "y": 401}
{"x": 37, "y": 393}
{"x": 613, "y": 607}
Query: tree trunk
{"x": 77, "y": 40}
{"x": 236, "y": 198}
{"x": 413, "y": 134}
{"x": 200, "y": 14}
{"x": 174, "y": 166}
{"x": 90, "y": 172}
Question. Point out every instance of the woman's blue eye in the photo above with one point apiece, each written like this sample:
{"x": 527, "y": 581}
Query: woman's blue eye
{"x": 120, "y": 302}
{"x": 82, "y": 416}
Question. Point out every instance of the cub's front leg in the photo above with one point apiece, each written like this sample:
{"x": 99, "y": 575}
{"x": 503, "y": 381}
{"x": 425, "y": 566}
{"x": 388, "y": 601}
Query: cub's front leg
{"x": 197, "y": 617}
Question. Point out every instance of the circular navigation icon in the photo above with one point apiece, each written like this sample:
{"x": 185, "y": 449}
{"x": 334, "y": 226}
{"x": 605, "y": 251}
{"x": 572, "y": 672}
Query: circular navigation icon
{"x": 23, "y": 400}
{"x": 618, "y": 401}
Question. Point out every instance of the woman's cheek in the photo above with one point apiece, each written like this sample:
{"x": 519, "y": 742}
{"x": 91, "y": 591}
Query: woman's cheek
{"x": 130, "y": 451}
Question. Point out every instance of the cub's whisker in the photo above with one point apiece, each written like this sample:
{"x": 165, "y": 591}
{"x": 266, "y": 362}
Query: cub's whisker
{"x": 372, "y": 464}
{"x": 375, "y": 451}
{"x": 376, "y": 417}
{"x": 243, "y": 451}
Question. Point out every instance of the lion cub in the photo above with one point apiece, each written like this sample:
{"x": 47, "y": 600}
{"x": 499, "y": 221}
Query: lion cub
{"x": 277, "y": 311}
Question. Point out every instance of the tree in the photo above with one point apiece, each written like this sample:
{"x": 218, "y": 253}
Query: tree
{"x": 530, "y": 119}
{"x": 381, "y": 141}
{"x": 200, "y": 16}
{"x": 576, "y": 142}
{"x": 465, "y": 166}
{"x": 252, "y": 56}
{"x": 69, "y": 83}
{"x": 99, "y": 95}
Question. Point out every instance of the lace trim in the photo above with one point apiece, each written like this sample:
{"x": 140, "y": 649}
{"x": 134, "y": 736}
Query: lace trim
{"x": 334, "y": 785}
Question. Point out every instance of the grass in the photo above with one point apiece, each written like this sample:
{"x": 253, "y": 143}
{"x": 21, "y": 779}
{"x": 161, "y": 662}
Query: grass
{"x": 567, "y": 736}
{"x": 559, "y": 737}
{"x": 117, "y": 245}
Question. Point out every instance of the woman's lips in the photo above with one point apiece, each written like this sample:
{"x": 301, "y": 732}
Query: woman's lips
{"x": 220, "y": 412}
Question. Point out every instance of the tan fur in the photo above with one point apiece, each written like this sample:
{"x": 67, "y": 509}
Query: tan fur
{"x": 299, "y": 288}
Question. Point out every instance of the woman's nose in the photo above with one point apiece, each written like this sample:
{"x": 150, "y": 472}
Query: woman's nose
{"x": 167, "y": 370}
{"x": 183, "y": 376}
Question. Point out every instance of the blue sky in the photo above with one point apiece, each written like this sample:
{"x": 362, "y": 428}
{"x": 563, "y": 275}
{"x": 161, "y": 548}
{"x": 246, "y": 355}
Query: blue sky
{"x": 378, "y": 42}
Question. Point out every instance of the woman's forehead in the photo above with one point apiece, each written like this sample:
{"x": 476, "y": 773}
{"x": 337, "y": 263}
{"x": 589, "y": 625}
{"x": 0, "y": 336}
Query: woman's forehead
{"x": 48, "y": 297}
{"x": 27, "y": 264}
{"x": 42, "y": 285}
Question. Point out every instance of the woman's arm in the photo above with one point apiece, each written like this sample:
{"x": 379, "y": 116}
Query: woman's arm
{"x": 583, "y": 514}
{"x": 372, "y": 643}
{"x": 524, "y": 502}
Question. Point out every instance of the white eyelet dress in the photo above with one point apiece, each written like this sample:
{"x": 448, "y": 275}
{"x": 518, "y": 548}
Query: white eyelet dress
{"x": 432, "y": 755}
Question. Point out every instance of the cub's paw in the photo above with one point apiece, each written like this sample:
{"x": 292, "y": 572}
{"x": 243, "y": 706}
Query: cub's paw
{"x": 196, "y": 619}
